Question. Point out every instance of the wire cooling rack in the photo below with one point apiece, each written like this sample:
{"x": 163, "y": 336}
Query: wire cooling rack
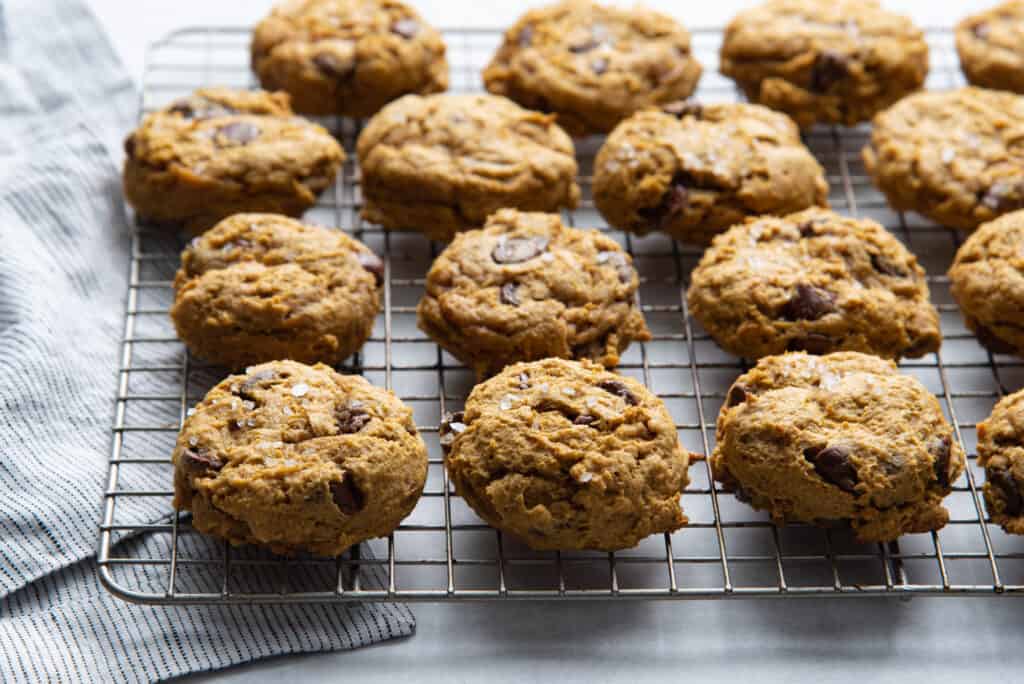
{"x": 442, "y": 551}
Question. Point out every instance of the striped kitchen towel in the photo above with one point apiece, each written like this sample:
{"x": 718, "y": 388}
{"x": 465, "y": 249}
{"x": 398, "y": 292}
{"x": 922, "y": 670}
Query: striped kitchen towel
{"x": 65, "y": 102}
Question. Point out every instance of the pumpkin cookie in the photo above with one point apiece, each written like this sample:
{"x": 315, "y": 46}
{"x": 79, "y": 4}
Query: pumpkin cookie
{"x": 220, "y": 152}
{"x": 348, "y": 57}
{"x": 693, "y": 171}
{"x": 991, "y": 47}
{"x": 813, "y": 281}
{"x": 260, "y": 287}
{"x": 1001, "y": 454}
{"x": 527, "y": 287}
{"x": 566, "y": 455}
{"x": 298, "y": 458}
{"x": 838, "y": 439}
{"x": 593, "y": 65}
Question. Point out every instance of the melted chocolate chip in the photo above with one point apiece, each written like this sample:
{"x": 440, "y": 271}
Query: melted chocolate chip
{"x": 334, "y": 67}
{"x": 510, "y": 294}
{"x": 351, "y": 418}
{"x": 886, "y": 267}
{"x": 829, "y": 68}
{"x": 809, "y": 303}
{"x": 407, "y": 28}
{"x": 347, "y": 496}
{"x": 200, "y": 108}
{"x": 599, "y": 66}
{"x": 129, "y": 146}
{"x": 807, "y": 228}
{"x": 619, "y": 389}
{"x": 526, "y": 36}
{"x": 1003, "y": 481}
{"x": 621, "y": 264}
{"x": 584, "y": 419}
{"x": 201, "y": 460}
{"x": 812, "y": 343}
{"x": 518, "y": 250}
{"x": 833, "y": 465}
{"x": 684, "y": 108}
{"x": 982, "y": 31}
{"x": 941, "y": 449}
{"x": 372, "y": 263}
{"x": 672, "y": 203}
{"x": 241, "y": 132}
{"x": 737, "y": 395}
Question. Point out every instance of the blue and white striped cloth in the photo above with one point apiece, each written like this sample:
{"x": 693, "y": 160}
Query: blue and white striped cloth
{"x": 65, "y": 103}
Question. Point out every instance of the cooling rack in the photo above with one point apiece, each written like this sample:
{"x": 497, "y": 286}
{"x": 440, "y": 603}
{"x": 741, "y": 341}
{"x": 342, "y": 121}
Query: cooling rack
{"x": 442, "y": 551}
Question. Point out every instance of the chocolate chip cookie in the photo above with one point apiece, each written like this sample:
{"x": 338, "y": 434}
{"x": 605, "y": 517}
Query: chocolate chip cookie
{"x": 526, "y": 287}
{"x": 953, "y": 156}
{"x": 592, "y": 64}
{"x": 260, "y": 287}
{"x": 348, "y": 57}
{"x": 824, "y": 61}
{"x": 443, "y": 163}
{"x": 987, "y": 281}
{"x": 566, "y": 455}
{"x": 298, "y": 458}
{"x": 693, "y": 171}
{"x": 991, "y": 47}
{"x": 813, "y": 281}
{"x": 219, "y": 152}
{"x": 1001, "y": 454}
{"x": 835, "y": 440}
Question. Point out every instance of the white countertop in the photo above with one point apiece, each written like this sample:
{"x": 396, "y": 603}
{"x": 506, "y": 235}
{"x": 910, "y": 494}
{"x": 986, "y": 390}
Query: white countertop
{"x": 821, "y": 640}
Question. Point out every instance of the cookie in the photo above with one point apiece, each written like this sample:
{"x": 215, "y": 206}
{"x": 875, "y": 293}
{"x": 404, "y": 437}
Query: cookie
{"x": 1001, "y": 454}
{"x": 991, "y": 47}
{"x": 443, "y": 163}
{"x": 987, "y": 281}
{"x": 692, "y": 171}
{"x": 835, "y": 440}
{"x": 593, "y": 65}
{"x": 260, "y": 287}
{"x": 824, "y": 61}
{"x": 813, "y": 281}
{"x": 298, "y": 458}
{"x": 566, "y": 455}
{"x": 527, "y": 287}
{"x": 220, "y": 152}
{"x": 348, "y": 57}
{"x": 952, "y": 156}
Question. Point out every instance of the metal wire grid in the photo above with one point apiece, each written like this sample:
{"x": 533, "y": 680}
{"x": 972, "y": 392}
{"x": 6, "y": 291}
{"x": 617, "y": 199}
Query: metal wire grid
{"x": 443, "y": 551}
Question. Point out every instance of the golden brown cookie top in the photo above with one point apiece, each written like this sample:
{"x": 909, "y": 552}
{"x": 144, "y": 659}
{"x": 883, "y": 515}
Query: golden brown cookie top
{"x": 1001, "y": 453}
{"x": 995, "y": 35}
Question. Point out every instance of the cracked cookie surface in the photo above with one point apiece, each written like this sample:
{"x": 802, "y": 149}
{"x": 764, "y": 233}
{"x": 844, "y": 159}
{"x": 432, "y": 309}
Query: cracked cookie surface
{"x": 566, "y": 455}
{"x": 260, "y": 287}
{"x": 219, "y": 152}
{"x": 991, "y": 47}
{"x": 955, "y": 157}
{"x": 987, "y": 281}
{"x": 593, "y": 65}
{"x": 1001, "y": 454}
{"x": 813, "y": 281}
{"x": 838, "y": 439}
{"x": 824, "y": 61}
{"x": 694, "y": 170}
{"x": 348, "y": 57}
{"x": 527, "y": 287}
{"x": 298, "y": 458}
{"x": 443, "y": 163}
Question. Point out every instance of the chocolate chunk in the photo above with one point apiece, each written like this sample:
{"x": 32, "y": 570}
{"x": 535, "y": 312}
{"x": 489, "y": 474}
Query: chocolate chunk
{"x": 201, "y": 460}
{"x": 621, "y": 264}
{"x": 241, "y": 132}
{"x": 585, "y": 419}
{"x": 331, "y": 65}
{"x": 451, "y": 425}
{"x": 599, "y": 65}
{"x": 684, "y": 108}
{"x": 829, "y": 68}
{"x": 672, "y": 203}
{"x": 940, "y": 448}
{"x": 524, "y": 381}
{"x": 372, "y": 263}
{"x": 833, "y": 465}
{"x": 992, "y": 342}
{"x": 407, "y": 28}
{"x": 200, "y": 108}
{"x": 518, "y": 250}
{"x": 526, "y": 36}
{"x": 812, "y": 343}
{"x": 807, "y": 228}
{"x": 347, "y": 496}
{"x": 619, "y": 389}
{"x": 982, "y": 31}
{"x": 351, "y": 418}
{"x": 737, "y": 395}
{"x": 809, "y": 303}
{"x": 886, "y": 267}
{"x": 1003, "y": 481}
{"x": 510, "y": 294}
{"x": 129, "y": 146}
